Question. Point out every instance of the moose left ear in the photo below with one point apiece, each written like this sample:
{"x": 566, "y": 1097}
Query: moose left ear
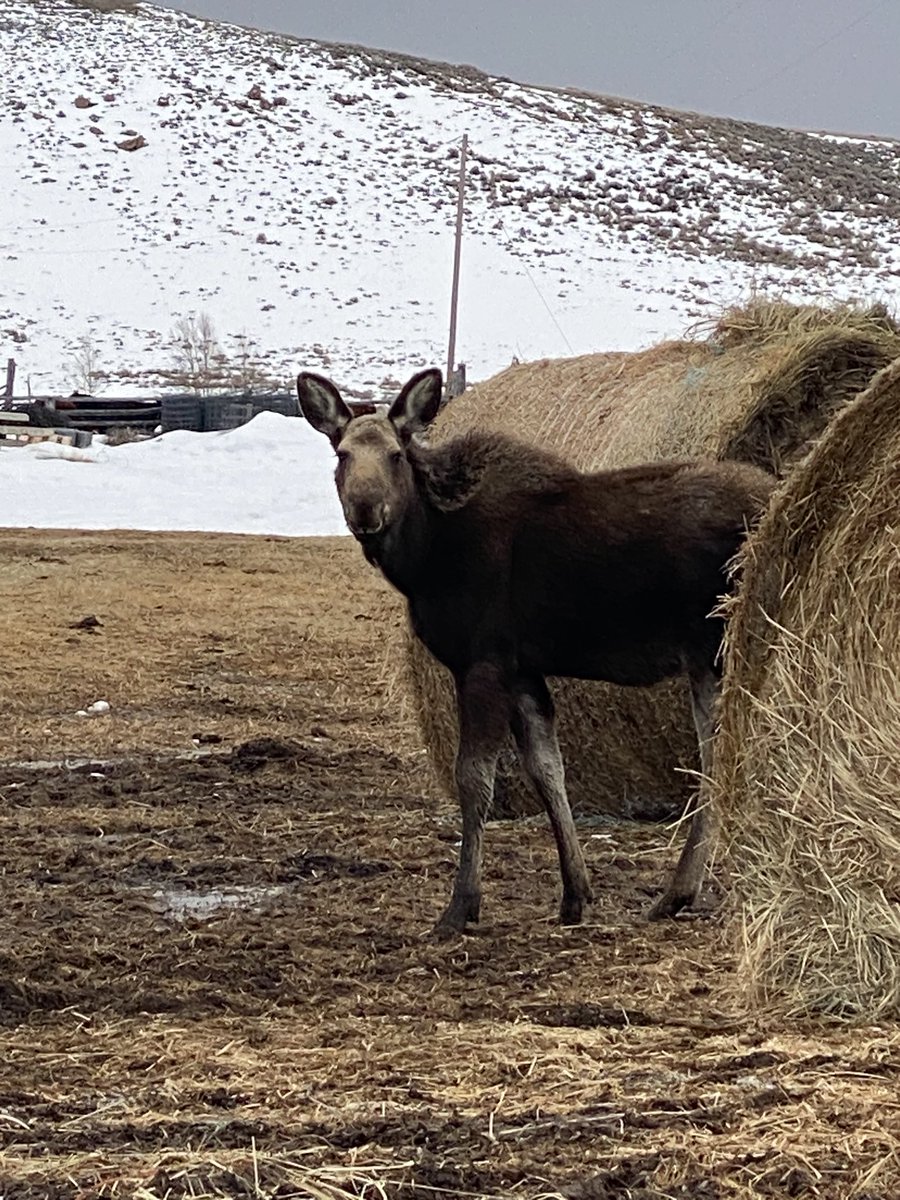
{"x": 418, "y": 403}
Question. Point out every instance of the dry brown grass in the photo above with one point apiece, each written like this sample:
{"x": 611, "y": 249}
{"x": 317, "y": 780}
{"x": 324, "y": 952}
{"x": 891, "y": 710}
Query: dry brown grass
{"x": 614, "y": 1112}
{"x": 198, "y": 634}
{"x": 809, "y": 759}
{"x": 758, "y": 385}
{"x": 317, "y": 1043}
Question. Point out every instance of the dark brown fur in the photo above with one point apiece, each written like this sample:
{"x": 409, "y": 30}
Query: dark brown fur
{"x": 516, "y": 566}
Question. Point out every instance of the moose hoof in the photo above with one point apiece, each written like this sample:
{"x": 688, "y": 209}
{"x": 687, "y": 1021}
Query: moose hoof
{"x": 455, "y": 917}
{"x": 570, "y": 912}
{"x": 571, "y": 907}
{"x": 669, "y": 905}
{"x": 443, "y": 931}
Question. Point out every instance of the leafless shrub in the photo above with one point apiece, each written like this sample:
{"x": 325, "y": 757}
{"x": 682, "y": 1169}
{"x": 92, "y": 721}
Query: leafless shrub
{"x": 246, "y": 372}
{"x": 84, "y": 365}
{"x": 198, "y": 362}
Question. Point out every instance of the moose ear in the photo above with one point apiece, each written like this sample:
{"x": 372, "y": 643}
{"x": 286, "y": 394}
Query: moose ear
{"x": 417, "y": 404}
{"x": 321, "y": 404}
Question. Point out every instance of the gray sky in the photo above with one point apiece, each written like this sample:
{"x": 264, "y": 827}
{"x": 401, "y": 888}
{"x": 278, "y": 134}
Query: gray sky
{"x": 814, "y": 64}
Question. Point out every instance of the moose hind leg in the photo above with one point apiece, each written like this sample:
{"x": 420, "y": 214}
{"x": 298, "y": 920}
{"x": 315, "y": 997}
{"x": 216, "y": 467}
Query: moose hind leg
{"x": 484, "y": 716}
{"x": 687, "y": 881}
{"x": 535, "y": 733}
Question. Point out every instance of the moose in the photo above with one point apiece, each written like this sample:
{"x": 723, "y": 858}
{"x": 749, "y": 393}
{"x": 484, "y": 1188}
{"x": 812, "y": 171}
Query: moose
{"x": 517, "y": 566}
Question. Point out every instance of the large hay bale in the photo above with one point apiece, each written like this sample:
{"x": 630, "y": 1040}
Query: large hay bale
{"x": 808, "y": 761}
{"x": 764, "y": 381}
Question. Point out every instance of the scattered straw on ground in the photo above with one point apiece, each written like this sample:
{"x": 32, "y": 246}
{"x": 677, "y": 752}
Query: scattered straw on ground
{"x": 186, "y": 634}
{"x": 215, "y": 974}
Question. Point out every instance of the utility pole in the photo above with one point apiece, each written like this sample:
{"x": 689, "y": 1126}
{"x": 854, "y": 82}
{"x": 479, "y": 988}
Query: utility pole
{"x": 10, "y": 379}
{"x": 454, "y": 294}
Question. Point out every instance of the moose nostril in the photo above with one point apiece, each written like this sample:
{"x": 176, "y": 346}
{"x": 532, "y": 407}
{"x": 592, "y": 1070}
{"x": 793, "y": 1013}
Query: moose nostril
{"x": 366, "y": 518}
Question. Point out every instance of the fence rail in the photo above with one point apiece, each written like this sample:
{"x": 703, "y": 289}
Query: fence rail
{"x": 199, "y": 413}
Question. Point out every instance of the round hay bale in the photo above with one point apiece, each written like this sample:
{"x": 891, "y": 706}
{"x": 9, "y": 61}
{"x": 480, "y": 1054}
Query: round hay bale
{"x": 807, "y": 771}
{"x": 761, "y": 383}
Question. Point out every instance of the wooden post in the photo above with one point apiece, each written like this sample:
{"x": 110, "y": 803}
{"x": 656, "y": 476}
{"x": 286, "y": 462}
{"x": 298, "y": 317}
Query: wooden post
{"x": 10, "y": 378}
{"x": 454, "y": 294}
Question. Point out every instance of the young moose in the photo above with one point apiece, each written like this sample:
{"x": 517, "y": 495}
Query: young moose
{"x": 516, "y": 566}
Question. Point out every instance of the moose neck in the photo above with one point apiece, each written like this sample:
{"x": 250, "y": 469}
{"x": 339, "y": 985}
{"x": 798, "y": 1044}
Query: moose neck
{"x": 400, "y": 553}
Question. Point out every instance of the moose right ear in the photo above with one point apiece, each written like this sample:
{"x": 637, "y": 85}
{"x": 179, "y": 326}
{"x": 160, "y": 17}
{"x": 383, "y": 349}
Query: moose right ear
{"x": 321, "y": 404}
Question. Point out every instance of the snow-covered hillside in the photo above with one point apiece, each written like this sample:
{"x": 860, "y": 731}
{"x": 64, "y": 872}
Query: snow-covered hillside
{"x": 303, "y": 196}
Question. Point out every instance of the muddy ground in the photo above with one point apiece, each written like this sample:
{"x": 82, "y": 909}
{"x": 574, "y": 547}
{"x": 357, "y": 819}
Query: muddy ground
{"x": 216, "y": 977}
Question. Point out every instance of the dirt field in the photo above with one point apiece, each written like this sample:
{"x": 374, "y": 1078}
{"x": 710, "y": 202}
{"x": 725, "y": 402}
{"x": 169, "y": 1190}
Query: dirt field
{"x": 215, "y": 971}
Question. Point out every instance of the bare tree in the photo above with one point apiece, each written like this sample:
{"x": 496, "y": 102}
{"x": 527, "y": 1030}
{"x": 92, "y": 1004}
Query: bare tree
{"x": 196, "y": 343}
{"x": 246, "y": 371}
{"x": 198, "y": 361}
{"x": 84, "y": 364}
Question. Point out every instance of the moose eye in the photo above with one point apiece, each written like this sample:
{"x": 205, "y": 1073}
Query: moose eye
{"x": 396, "y": 456}
{"x": 342, "y": 455}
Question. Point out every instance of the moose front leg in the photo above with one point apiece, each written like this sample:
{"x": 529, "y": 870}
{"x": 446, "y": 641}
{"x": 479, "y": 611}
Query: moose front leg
{"x": 687, "y": 881}
{"x": 535, "y": 732}
{"x": 484, "y": 712}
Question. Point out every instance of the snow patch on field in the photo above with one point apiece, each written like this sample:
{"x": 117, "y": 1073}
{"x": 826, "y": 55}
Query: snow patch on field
{"x": 272, "y": 475}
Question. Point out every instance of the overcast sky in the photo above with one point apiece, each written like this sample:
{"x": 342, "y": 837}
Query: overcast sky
{"x": 814, "y": 64}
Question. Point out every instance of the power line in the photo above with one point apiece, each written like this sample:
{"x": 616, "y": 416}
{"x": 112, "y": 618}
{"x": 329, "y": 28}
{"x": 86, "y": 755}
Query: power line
{"x": 809, "y": 51}
{"x": 521, "y": 262}
{"x": 708, "y": 29}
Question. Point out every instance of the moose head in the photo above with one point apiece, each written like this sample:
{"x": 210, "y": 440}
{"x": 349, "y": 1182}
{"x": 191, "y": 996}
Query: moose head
{"x": 374, "y": 477}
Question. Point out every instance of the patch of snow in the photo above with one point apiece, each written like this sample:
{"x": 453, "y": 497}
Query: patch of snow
{"x": 270, "y": 476}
